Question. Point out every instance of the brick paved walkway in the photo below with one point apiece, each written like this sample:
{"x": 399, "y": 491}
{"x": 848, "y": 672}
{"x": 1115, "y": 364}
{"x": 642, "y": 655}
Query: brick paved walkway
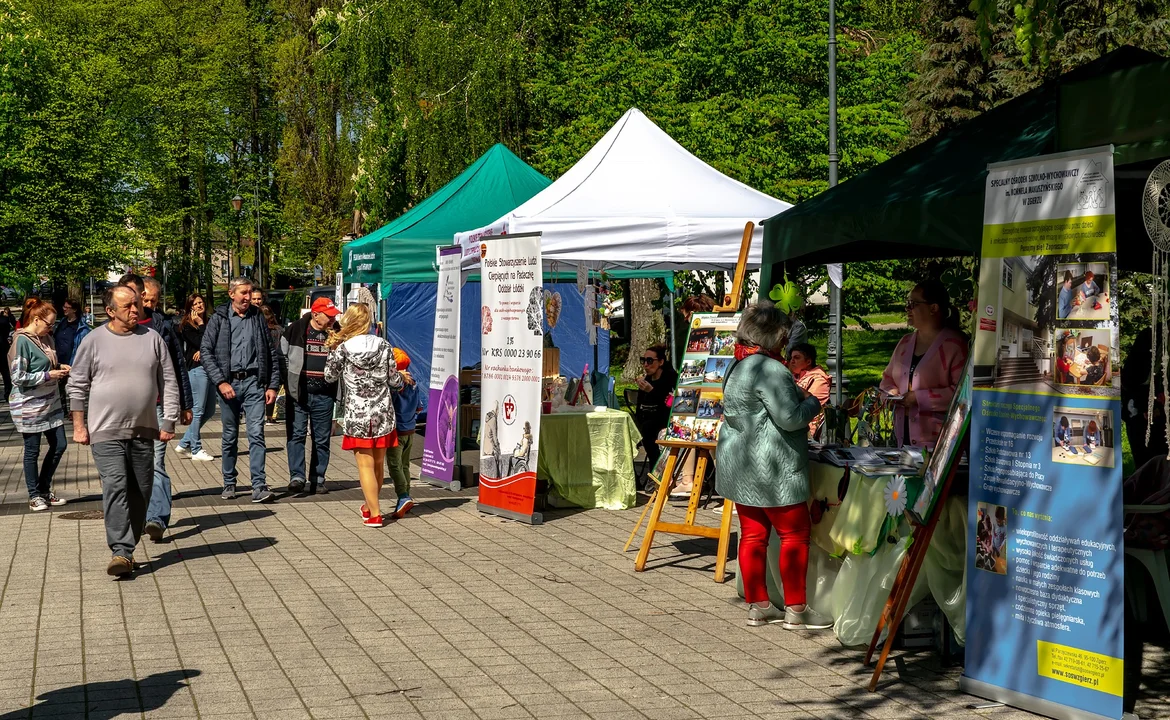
{"x": 293, "y": 610}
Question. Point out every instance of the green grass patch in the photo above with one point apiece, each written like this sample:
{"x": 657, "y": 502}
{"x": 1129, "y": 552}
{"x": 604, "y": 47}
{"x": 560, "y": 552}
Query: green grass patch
{"x": 882, "y": 318}
{"x": 865, "y": 355}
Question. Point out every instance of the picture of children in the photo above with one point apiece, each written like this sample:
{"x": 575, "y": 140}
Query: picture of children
{"x": 706, "y": 431}
{"x": 681, "y": 429}
{"x": 724, "y": 343}
{"x": 1083, "y": 291}
{"x": 700, "y": 341}
{"x": 991, "y": 539}
{"x": 710, "y": 404}
{"x": 684, "y": 402}
{"x": 1082, "y": 360}
{"x": 1083, "y": 436}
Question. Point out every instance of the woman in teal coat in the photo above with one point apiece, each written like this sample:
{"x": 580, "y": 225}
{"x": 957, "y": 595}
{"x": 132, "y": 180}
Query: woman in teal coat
{"x": 761, "y": 463}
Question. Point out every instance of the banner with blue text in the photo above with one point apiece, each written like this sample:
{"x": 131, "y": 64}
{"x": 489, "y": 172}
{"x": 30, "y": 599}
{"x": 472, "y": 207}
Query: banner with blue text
{"x": 1045, "y": 585}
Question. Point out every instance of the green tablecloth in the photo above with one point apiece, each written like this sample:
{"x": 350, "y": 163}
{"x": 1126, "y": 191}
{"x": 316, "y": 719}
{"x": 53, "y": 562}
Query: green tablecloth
{"x": 588, "y": 459}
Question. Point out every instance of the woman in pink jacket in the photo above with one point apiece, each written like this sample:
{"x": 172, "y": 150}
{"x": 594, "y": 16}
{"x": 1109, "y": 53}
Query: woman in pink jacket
{"x": 926, "y": 366}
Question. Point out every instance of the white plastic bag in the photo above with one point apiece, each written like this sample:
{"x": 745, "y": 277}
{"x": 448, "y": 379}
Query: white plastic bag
{"x": 862, "y": 589}
{"x": 945, "y": 566}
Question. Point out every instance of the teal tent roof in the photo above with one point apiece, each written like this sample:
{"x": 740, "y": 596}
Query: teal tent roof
{"x": 491, "y": 187}
{"x": 928, "y": 201}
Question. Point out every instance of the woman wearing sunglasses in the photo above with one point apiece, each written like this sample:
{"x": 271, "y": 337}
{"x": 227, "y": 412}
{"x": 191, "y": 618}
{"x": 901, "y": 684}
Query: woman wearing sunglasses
{"x": 655, "y": 389}
{"x": 925, "y": 368}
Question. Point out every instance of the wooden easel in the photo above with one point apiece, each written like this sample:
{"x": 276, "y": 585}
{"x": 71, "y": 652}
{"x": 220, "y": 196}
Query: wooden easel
{"x": 688, "y": 527}
{"x": 908, "y": 573}
{"x": 733, "y": 299}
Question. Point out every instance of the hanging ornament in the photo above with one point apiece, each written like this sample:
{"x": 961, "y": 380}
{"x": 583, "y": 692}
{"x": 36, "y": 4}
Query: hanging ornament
{"x": 1156, "y": 214}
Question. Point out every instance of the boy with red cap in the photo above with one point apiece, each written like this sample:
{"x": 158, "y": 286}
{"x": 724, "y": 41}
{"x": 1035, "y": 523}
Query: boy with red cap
{"x": 407, "y": 406}
{"x": 310, "y": 398}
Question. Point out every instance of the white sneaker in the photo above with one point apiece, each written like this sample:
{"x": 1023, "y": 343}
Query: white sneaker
{"x": 203, "y": 456}
{"x": 807, "y": 619}
{"x": 182, "y": 451}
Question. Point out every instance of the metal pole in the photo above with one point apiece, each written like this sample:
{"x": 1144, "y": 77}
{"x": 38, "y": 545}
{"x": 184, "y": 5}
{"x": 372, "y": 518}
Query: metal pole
{"x": 673, "y": 337}
{"x": 259, "y": 250}
{"x": 834, "y": 291}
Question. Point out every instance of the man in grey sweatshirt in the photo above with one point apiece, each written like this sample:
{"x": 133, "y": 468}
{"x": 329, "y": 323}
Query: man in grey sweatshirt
{"x": 123, "y": 369}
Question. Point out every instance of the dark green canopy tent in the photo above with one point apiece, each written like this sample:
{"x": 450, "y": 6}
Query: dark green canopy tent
{"x": 403, "y": 250}
{"x": 928, "y": 201}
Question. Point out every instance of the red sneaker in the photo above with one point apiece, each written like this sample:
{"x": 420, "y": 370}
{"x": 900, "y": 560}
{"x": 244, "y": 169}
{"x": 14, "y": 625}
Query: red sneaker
{"x": 365, "y": 512}
{"x": 374, "y": 521}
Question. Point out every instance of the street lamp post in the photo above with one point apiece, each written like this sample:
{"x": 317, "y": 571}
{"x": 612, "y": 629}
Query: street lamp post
{"x": 237, "y": 203}
{"x": 835, "y": 300}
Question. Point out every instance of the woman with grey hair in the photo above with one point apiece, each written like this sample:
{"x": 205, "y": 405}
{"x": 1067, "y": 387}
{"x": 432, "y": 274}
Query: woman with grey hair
{"x": 761, "y": 464}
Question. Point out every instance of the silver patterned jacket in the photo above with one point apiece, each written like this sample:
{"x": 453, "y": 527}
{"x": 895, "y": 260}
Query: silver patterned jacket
{"x": 365, "y": 366}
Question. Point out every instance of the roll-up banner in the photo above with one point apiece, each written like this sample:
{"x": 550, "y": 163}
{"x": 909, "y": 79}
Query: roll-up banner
{"x": 1045, "y": 561}
{"x": 440, "y": 448}
{"x": 512, "y": 325}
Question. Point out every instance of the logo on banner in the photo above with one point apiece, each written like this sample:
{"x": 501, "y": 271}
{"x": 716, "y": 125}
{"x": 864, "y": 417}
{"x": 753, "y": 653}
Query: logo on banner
{"x": 509, "y": 409}
{"x": 448, "y": 293}
{"x": 482, "y": 250}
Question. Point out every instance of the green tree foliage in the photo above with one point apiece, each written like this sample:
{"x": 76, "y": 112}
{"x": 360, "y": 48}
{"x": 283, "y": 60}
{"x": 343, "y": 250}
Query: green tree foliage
{"x": 62, "y": 204}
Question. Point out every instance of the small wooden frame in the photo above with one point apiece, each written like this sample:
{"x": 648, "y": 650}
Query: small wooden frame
{"x": 908, "y": 573}
{"x": 688, "y": 527}
{"x": 733, "y": 300}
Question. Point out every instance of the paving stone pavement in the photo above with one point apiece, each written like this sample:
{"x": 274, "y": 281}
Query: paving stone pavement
{"x": 293, "y": 610}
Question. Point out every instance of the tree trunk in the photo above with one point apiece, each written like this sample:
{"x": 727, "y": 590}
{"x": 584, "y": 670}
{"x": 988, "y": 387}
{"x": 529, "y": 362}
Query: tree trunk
{"x": 640, "y": 314}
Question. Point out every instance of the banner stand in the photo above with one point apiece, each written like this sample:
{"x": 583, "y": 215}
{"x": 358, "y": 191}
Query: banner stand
{"x": 1030, "y": 703}
{"x": 534, "y": 518}
{"x": 443, "y": 442}
{"x": 512, "y": 328}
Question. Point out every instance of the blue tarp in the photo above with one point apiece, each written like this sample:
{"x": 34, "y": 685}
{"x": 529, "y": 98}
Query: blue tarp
{"x": 410, "y": 323}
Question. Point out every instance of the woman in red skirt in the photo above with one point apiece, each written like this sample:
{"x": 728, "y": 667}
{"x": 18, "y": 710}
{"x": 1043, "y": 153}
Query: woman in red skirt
{"x": 365, "y": 366}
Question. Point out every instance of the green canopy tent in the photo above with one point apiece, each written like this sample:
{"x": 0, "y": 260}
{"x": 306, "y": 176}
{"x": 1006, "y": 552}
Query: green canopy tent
{"x": 928, "y": 201}
{"x": 403, "y": 250}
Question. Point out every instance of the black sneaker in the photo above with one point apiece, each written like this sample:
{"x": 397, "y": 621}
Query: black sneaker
{"x": 321, "y": 489}
{"x": 154, "y": 531}
{"x": 229, "y": 493}
{"x": 296, "y": 486}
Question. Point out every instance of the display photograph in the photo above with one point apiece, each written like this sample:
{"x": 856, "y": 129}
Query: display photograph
{"x": 1083, "y": 436}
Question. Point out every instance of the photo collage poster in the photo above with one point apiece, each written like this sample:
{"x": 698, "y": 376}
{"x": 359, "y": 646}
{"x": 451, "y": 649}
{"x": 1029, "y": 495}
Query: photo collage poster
{"x": 1045, "y": 555}
{"x": 696, "y": 411}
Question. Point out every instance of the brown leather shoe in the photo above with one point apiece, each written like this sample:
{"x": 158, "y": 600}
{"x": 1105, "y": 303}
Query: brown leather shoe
{"x": 120, "y": 566}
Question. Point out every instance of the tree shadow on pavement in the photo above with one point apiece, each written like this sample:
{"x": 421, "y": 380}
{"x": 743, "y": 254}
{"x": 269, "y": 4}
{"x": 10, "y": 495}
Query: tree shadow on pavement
{"x": 107, "y": 700}
{"x": 197, "y": 552}
{"x": 190, "y": 526}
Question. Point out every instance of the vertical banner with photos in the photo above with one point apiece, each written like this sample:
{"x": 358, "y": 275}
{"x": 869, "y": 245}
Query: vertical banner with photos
{"x": 512, "y": 324}
{"x": 442, "y": 438}
{"x": 697, "y": 409}
{"x": 1045, "y": 585}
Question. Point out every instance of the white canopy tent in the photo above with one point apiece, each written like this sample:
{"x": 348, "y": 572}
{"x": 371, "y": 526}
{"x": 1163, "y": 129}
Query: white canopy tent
{"x": 637, "y": 200}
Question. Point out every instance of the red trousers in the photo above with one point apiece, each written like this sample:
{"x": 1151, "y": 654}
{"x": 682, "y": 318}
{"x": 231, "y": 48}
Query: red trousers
{"x": 794, "y": 526}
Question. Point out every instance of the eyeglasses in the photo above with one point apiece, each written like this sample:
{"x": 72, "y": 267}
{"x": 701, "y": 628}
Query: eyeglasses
{"x": 911, "y": 304}
{"x": 648, "y": 360}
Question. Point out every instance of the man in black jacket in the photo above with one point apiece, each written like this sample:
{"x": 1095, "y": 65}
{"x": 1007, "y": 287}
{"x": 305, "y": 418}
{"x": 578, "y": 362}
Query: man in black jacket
{"x": 239, "y": 358}
{"x": 309, "y": 398}
{"x": 158, "y": 515}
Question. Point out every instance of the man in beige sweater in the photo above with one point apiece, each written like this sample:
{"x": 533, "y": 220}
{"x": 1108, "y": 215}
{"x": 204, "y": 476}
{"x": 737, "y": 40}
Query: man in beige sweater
{"x": 122, "y": 371}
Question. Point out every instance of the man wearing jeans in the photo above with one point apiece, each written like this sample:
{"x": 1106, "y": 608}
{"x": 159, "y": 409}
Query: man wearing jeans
{"x": 158, "y": 515}
{"x": 309, "y": 398}
{"x": 239, "y": 358}
{"x": 119, "y": 371}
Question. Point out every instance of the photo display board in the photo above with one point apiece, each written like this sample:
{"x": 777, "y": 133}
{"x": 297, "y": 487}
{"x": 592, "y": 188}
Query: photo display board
{"x": 696, "y": 413}
{"x": 1045, "y": 557}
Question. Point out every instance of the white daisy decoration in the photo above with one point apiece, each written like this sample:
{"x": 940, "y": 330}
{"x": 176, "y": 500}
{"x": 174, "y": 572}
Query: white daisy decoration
{"x": 895, "y": 495}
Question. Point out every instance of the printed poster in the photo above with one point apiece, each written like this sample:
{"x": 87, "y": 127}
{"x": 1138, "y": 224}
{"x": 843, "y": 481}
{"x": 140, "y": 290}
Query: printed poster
{"x": 512, "y": 319}
{"x": 1045, "y": 560}
{"x": 442, "y": 438}
{"x": 696, "y": 413}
